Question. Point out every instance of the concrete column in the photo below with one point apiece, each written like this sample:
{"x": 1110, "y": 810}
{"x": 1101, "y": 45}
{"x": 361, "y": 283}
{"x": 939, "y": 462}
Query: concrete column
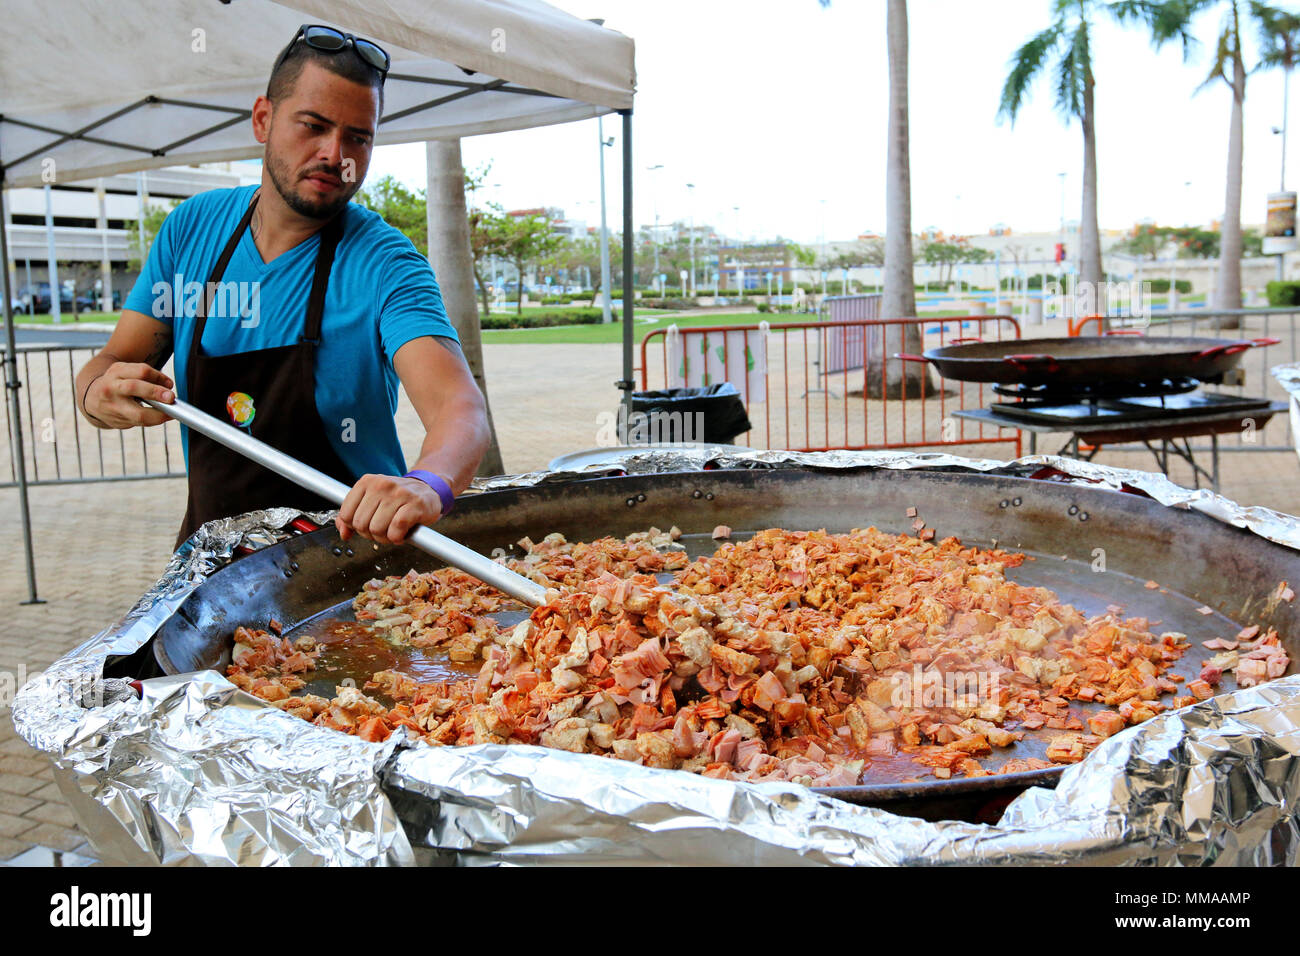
{"x": 105, "y": 266}
{"x": 12, "y": 264}
{"x": 51, "y": 256}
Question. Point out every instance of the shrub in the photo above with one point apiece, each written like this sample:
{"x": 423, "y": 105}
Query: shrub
{"x": 1034, "y": 281}
{"x": 541, "y": 319}
{"x": 668, "y": 303}
{"x": 1162, "y": 285}
{"x": 1282, "y": 294}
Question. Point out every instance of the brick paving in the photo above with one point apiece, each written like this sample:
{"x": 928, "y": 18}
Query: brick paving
{"x": 99, "y": 546}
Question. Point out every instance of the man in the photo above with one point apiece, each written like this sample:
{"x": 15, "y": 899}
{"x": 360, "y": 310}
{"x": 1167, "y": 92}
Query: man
{"x": 293, "y": 313}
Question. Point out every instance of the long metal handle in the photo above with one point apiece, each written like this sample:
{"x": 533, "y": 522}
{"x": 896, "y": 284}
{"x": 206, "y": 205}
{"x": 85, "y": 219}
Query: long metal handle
{"x": 423, "y": 537}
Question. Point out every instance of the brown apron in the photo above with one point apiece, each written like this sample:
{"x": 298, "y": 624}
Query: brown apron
{"x": 270, "y": 392}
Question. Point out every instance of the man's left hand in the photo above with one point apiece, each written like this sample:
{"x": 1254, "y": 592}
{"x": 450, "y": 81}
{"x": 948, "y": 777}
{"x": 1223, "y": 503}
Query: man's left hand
{"x": 385, "y": 508}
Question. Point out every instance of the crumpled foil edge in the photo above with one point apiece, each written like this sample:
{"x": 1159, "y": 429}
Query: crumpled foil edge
{"x": 130, "y": 766}
{"x": 195, "y": 771}
{"x": 1274, "y": 525}
{"x": 1214, "y": 783}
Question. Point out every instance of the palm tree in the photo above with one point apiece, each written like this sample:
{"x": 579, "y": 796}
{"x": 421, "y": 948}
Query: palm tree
{"x": 1228, "y": 58}
{"x": 1279, "y": 42}
{"x": 1229, "y": 65}
{"x": 887, "y": 376}
{"x": 1067, "y": 42}
{"x": 453, "y": 263}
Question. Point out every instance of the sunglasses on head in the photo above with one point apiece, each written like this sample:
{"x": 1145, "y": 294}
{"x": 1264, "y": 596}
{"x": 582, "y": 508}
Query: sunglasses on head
{"x": 329, "y": 40}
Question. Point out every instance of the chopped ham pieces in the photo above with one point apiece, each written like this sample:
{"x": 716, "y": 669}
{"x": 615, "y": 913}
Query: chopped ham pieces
{"x": 1106, "y": 724}
{"x": 806, "y": 657}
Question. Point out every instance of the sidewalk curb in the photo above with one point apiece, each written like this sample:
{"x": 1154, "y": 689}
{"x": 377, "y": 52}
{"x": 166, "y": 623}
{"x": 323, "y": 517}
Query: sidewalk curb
{"x": 66, "y": 327}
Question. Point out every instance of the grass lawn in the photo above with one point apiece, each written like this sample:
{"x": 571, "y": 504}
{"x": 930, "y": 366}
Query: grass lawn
{"x": 646, "y": 321}
{"x": 87, "y": 318}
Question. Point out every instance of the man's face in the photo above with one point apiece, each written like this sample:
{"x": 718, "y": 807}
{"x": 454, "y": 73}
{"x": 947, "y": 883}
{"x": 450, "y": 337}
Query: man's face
{"x": 318, "y": 140}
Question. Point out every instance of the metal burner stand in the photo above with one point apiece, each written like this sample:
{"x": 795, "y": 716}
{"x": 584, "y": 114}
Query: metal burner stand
{"x": 1160, "y": 433}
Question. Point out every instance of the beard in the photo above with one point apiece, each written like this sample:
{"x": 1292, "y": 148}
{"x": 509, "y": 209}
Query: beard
{"x": 286, "y": 185}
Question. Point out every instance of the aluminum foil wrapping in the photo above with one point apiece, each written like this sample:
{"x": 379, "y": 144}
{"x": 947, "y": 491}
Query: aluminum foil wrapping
{"x": 1274, "y": 525}
{"x": 1215, "y": 783}
{"x": 195, "y": 771}
{"x": 1288, "y": 376}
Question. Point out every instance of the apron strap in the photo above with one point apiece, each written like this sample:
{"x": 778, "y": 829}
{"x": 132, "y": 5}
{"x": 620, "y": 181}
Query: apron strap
{"x": 330, "y": 235}
{"x": 329, "y": 241}
{"x": 219, "y": 270}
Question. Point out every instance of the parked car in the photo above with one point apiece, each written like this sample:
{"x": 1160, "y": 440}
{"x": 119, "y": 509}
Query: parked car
{"x": 36, "y": 298}
{"x": 88, "y": 301}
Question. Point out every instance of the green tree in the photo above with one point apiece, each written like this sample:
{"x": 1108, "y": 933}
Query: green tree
{"x": 1170, "y": 19}
{"x": 1196, "y": 243}
{"x": 868, "y": 252}
{"x": 153, "y": 220}
{"x": 886, "y": 376}
{"x": 524, "y": 240}
{"x": 1279, "y": 39}
{"x": 487, "y": 231}
{"x": 1144, "y": 241}
{"x": 1067, "y": 42}
{"x": 946, "y": 253}
{"x": 584, "y": 255}
{"x": 401, "y": 208}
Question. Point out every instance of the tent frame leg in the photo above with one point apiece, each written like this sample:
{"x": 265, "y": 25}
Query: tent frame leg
{"x": 629, "y": 247}
{"x": 12, "y": 385}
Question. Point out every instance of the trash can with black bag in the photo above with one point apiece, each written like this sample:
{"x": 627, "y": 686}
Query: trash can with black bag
{"x": 713, "y": 414}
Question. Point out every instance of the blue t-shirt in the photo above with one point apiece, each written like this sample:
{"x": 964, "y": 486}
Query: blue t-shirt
{"x": 382, "y": 293}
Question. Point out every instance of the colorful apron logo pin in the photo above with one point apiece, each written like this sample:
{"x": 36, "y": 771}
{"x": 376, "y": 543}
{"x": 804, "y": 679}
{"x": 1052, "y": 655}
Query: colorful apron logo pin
{"x": 239, "y": 406}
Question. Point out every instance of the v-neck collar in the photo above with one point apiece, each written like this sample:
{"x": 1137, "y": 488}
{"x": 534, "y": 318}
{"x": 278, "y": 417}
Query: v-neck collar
{"x": 248, "y": 249}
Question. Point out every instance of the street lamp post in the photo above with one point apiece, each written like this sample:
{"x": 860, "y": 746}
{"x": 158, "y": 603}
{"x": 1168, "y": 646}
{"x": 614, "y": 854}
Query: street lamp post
{"x": 1286, "y": 83}
{"x": 738, "y": 241}
{"x": 825, "y": 256}
{"x": 690, "y": 187}
{"x": 605, "y": 303}
{"x": 654, "y": 238}
{"x": 1061, "y": 264}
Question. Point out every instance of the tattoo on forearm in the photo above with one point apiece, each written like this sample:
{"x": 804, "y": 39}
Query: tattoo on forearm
{"x": 162, "y": 349}
{"x": 451, "y": 345}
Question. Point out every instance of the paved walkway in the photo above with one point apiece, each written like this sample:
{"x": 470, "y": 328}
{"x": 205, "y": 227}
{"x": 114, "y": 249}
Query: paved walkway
{"x": 99, "y": 546}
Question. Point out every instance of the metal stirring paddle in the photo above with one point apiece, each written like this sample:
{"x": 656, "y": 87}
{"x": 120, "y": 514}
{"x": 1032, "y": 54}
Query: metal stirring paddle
{"x": 423, "y": 537}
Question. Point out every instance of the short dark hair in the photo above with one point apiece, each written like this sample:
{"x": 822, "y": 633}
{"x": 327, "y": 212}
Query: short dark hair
{"x": 344, "y": 63}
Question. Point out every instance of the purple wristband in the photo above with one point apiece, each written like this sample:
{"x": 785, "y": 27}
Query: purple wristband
{"x": 437, "y": 484}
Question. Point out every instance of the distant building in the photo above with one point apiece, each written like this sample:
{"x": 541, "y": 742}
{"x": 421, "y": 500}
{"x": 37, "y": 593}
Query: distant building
{"x": 572, "y": 228}
{"x": 92, "y": 243}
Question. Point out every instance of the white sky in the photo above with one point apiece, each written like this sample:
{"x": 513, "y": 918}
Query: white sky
{"x": 775, "y": 106}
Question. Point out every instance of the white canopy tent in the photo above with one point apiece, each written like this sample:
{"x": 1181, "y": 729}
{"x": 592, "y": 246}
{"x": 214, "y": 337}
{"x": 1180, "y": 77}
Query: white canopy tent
{"x": 90, "y": 88}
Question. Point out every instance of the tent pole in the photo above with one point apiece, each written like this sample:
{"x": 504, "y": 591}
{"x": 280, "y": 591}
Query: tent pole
{"x": 629, "y": 244}
{"x": 11, "y": 387}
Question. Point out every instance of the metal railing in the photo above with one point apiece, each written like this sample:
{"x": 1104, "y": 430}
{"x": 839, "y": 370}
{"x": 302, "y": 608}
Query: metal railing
{"x": 60, "y": 447}
{"x": 873, "y": 399}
